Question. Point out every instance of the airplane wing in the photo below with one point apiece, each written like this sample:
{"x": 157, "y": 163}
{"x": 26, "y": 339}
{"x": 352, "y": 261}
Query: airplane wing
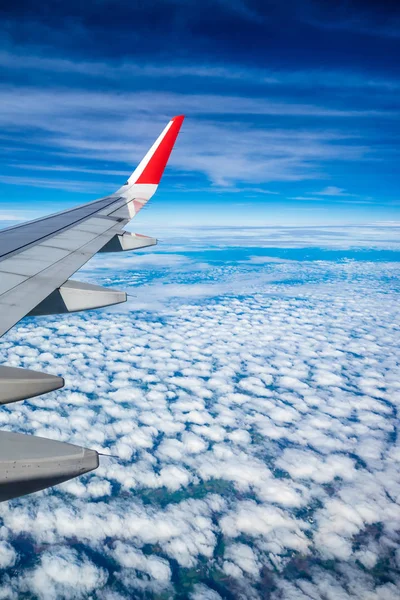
{"x": 37, "y": 260}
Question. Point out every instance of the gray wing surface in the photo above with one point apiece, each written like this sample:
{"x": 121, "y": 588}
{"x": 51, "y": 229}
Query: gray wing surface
{"x": 38, "y": 257}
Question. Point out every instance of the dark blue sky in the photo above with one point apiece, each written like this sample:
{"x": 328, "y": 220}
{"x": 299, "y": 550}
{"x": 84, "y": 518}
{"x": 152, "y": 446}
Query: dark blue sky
{"x": 292, "y": 108}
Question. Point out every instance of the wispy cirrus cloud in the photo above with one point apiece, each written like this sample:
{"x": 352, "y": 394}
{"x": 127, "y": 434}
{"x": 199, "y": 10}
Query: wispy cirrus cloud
{"x": 85, "y": 187}
{"x": 223, "y": 151}
{"x": 332, "y": 190}
{"x": 357, "y": 80}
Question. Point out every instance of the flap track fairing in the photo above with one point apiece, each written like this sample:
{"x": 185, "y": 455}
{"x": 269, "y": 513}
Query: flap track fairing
{"x": 29, "y": 463}
{"x": 128, "y": 241}
{"x": 74, "y": 296}
{"x": 20, "y": 384}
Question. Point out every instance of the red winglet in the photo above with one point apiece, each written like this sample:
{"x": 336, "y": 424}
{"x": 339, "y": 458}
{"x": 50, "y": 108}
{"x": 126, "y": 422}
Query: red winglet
{"x": 155, "y": 167}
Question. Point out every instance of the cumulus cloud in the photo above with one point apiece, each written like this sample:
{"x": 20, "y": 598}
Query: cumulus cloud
{"x": 63, "y": 573}
{"x": 8, "y": 556}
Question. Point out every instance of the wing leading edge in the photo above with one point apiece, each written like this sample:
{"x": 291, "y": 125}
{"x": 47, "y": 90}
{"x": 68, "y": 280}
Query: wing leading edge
{"x": 37, "y": 260}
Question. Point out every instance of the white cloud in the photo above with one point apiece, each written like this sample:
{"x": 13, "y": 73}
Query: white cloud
{"x": 8, "y": 556}
{"x": 62, "y": 574}
{"x": 202, "y": 592}
{"x": 244, "y": 557}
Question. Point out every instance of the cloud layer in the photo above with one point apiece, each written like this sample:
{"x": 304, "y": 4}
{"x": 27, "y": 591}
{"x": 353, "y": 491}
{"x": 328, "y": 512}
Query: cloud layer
{"x": 256, "y": 436}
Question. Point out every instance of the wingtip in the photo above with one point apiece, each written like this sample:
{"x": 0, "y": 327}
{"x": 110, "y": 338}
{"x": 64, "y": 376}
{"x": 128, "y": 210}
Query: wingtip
{"x": 156, "y": 164}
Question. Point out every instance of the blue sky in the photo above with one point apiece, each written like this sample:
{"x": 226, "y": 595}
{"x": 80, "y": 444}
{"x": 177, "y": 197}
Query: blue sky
{"x": 292, "y": 112}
